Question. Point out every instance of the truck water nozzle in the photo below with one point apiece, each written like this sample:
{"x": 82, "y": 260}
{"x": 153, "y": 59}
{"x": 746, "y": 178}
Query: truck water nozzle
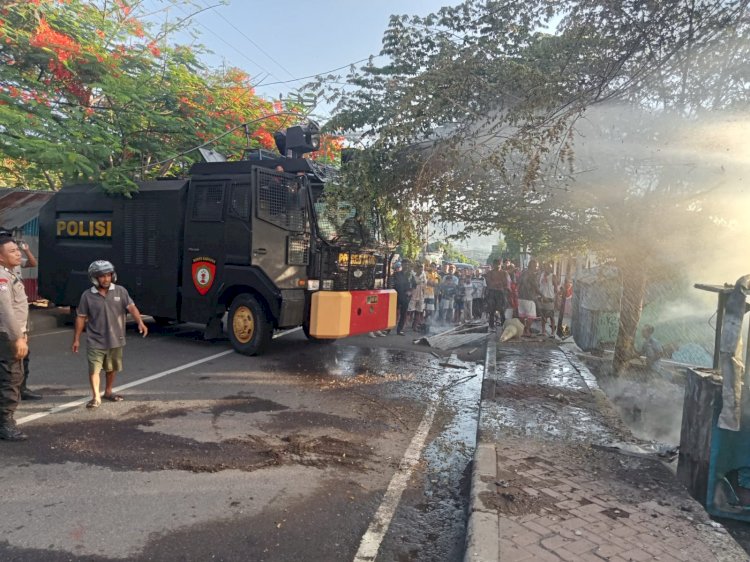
{"x": 299, "y": 140}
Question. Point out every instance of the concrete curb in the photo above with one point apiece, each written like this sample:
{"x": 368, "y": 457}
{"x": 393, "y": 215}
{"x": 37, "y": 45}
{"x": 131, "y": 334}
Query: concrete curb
{"x": 482, "y": 544}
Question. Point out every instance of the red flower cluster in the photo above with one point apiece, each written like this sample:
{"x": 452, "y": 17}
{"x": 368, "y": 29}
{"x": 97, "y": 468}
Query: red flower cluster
{"x": 264, "y": 138}
{"x": 330, "y": 149}
{"x": 69, "y": 82}
{"x": 47, "y": 38}
{"x": 154, "y": 49}
{"x": 124, "y": 8}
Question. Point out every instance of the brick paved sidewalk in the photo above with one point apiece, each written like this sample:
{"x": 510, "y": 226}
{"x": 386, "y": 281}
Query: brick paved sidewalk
{"x": 539, "y": 493}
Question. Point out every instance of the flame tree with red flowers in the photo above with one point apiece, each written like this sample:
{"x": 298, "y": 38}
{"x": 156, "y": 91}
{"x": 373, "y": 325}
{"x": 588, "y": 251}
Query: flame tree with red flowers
{"x": 91, "y": 92}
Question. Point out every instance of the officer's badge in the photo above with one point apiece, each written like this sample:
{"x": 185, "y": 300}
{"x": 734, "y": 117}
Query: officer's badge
{"x": 3, "y": 284}
{"x": 204, "y": 273}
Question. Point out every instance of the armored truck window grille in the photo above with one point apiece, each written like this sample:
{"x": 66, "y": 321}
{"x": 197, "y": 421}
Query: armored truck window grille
{"x": 141, "y": 222}
{"x": 208, "y": 204}
{"x": 298, "y": 250}
{"x": 340, "y": 222}
{"x": 239, "y": 202}
{"x": 280, "y": 201}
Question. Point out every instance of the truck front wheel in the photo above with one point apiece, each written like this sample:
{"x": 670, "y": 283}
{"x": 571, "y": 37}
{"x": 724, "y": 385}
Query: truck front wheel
{"x": 248, "y": 326}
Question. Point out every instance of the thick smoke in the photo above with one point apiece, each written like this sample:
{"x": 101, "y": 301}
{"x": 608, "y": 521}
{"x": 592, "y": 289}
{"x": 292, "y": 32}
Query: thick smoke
{"x": 673, "y": 193}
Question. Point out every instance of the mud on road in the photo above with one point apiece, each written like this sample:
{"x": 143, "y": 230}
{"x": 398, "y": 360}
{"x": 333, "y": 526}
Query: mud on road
{"x": 123, "y": 444}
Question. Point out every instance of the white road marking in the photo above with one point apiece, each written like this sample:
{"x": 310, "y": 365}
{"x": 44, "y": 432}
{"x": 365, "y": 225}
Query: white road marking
{"x": 370, "y": 544}
{"x": 285, "y": 332}
{"x": 144, "y": 380}
{"x": 50, "y": 333}
{"x": 81, "y": 401}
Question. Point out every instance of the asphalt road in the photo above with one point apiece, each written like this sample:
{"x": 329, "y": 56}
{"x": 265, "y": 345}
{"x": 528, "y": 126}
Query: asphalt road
{"x": 354, "y": 451}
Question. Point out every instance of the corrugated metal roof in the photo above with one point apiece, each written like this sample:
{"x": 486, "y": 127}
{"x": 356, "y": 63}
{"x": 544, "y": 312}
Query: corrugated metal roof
{"x": 19, "y": 206}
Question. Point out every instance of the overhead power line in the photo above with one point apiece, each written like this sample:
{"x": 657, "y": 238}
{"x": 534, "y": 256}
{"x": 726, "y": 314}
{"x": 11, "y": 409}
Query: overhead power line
{"x": 261, "y": 49}
{"x": 230, "y": 45}
{"x": 320, "y": 73}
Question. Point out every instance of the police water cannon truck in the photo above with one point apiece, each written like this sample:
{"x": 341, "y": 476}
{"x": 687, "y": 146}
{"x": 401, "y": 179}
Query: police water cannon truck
{"x": 254, "y": 242}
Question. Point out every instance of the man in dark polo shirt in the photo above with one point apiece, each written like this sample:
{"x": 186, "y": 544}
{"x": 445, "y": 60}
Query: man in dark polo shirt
{"x": 498, "y": 283}
{"x": 102, "y": 311}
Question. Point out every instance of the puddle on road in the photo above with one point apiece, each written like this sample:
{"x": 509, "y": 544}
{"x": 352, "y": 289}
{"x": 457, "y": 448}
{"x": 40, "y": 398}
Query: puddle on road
{"x": 350, "y": 367}
{"x": 431, "y": 521}
{"x": 550, "y": 369}
{"x": 536, "y": 419}
{"x": 539, "y": 393}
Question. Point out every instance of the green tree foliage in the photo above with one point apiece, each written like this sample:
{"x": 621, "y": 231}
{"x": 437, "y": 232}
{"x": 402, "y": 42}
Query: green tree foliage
{"x": 91, "y": 92}
{"x": 478, "y": 116}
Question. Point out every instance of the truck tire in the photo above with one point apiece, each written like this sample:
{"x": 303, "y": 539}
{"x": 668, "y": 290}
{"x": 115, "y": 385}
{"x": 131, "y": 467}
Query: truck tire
{"x": 248, "y": 326}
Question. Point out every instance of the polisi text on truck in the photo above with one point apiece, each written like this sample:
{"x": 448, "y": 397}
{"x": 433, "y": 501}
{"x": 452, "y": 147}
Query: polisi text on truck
{"x": 84, "y": 228}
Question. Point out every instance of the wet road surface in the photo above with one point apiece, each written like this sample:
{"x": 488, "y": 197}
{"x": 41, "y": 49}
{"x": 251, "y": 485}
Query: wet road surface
{"x": 281, "y": 457}
{"x": 539, "y": 393}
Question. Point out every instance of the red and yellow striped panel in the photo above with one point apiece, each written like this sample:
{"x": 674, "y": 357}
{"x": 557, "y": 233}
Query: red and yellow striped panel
{"x": 338, "y": 314}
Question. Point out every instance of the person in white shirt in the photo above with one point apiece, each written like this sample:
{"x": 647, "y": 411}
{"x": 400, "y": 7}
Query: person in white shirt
{"x": 548, "y": 291}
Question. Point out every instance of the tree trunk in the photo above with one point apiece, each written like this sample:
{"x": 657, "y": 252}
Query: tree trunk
{"x": 631, "y": 306}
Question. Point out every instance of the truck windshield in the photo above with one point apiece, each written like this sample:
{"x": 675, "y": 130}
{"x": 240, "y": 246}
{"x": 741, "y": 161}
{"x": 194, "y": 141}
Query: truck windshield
{"x": 341, "y": 223}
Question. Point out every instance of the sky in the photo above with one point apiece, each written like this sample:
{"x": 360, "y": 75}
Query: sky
{"x": 280, "y": 41}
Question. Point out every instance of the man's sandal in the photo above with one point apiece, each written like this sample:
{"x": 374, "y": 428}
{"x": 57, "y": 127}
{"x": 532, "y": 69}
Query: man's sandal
{"x": 93, "y": 404}
{"x": 112, "y": 397}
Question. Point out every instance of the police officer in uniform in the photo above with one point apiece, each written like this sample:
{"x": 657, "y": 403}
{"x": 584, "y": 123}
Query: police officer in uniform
{"x": 29, "y": 261}
{"x": 14, "y": 312}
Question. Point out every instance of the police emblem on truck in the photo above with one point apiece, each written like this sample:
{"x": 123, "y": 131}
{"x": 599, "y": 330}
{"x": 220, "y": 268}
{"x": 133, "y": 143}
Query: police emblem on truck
{"x": 204, "y": 273}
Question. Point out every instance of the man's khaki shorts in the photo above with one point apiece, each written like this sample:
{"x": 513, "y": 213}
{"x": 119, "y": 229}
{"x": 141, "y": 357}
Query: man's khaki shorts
{"x": 107, "y": 359}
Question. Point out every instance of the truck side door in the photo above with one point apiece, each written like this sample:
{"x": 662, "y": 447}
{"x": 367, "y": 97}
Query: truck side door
{"x": 281, "y": 231}
{"x": 204, "y": 243}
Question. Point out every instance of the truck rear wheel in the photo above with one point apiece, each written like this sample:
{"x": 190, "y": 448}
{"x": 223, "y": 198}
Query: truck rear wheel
{"x": 248, "y": 326}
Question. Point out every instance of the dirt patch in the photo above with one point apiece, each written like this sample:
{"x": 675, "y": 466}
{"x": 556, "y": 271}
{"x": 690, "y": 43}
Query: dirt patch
{"x": 516, "y": 501}
{"x": 148, "y": 409}
{"x": 121, "y": 444}
{"x": 516, "y": 494}
{"x": 545, "y": 393}
{"x": 245, "y": 403}
{"x": 328, "y": 383}
{"x": 324, "y": 451}
{"x": 289, "y": 420}
{"x": 541, "y": 484}
{"x": 614, "y": 513}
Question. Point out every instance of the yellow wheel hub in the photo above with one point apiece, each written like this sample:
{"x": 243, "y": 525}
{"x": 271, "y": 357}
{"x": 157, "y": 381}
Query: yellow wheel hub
{"x": 243, "y": 324}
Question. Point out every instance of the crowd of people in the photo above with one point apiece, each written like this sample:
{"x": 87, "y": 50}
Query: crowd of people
{"x": 429, "y": 295}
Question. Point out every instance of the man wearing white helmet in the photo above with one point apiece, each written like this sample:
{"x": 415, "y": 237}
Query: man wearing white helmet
{"x": 102, "y": 311}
